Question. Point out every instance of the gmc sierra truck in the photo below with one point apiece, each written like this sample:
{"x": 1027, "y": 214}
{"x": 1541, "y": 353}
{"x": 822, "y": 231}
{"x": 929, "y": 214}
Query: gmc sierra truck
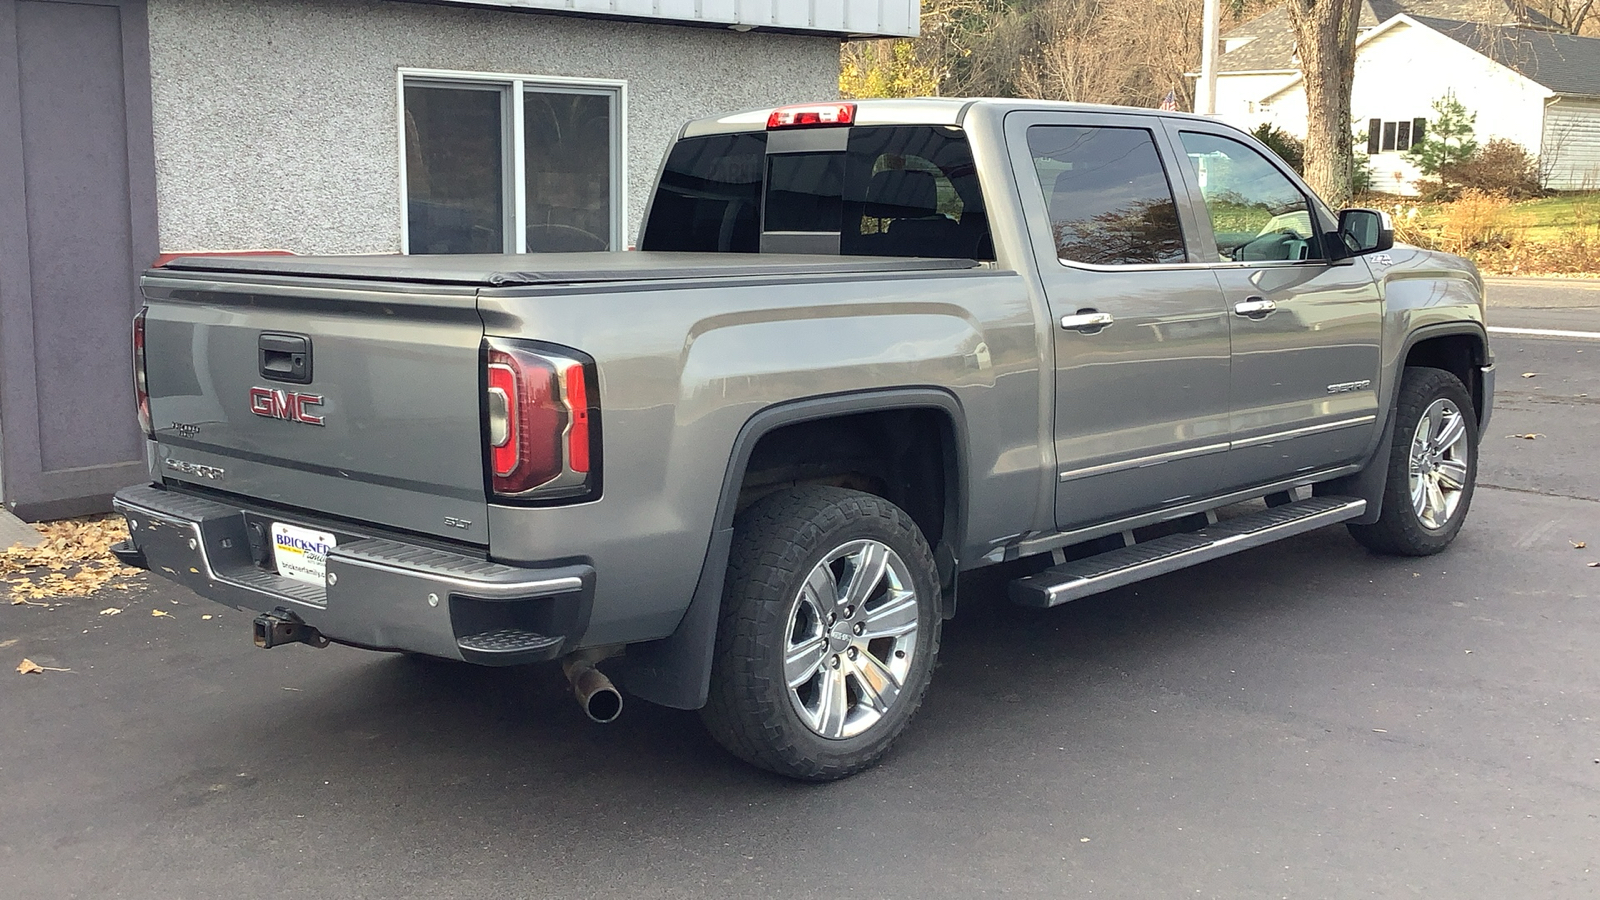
{"x": 862, "y": 348}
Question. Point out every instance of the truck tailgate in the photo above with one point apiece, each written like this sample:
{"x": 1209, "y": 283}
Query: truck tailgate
{"x": 379, "y": 421}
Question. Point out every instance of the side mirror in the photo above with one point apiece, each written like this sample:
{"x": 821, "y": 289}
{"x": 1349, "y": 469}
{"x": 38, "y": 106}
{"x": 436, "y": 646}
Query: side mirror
{"x": 1365, "y": 230}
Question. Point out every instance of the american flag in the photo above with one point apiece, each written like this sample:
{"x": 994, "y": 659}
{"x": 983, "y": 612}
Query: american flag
{"x": 1170, "y": 102}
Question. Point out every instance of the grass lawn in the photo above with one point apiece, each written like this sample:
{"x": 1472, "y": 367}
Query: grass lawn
{"x": 1543, "y": 220}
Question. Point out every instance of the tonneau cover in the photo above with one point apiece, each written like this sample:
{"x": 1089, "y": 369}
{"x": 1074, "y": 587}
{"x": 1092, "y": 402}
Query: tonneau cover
{"x": 510, "y": 269}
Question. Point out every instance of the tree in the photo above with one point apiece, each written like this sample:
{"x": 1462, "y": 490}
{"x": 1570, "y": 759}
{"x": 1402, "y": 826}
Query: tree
{"x": 885, "y": 69}
{"x": 1325, "y": 40}
{"x": 1448, "y": 139}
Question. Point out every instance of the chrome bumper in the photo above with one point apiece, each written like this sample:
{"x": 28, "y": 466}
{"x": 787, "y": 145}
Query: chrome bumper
{"x": 380, "y": 593}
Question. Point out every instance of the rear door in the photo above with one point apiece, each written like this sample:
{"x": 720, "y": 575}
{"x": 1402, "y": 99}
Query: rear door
{"x": 1305, "y": 330}
{"x": 355, "y": 399}
{"x": 1139, "y": 328}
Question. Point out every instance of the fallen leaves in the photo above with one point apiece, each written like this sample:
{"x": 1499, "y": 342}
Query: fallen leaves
{"x": 29, "y": 667}
{"x": 1578, "y": 545}
{"x": 1529, "y": 374}
{"x": 1526, "y": 437}
{"x": 111, "y": 611}
{"x": 73, "y": 560}
{"x": 159, "y": 612}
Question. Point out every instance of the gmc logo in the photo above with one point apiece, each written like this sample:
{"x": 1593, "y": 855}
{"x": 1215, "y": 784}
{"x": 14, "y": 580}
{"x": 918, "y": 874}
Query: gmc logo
{"x": 290, "y": 406}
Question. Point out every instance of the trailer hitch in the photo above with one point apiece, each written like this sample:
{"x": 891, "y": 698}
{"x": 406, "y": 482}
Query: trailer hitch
{"x": 284, "y": 627}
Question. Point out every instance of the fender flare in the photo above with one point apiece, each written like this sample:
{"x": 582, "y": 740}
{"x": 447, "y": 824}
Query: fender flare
{"x": 1369, "y": 483}
{"x": 675, "y": 671}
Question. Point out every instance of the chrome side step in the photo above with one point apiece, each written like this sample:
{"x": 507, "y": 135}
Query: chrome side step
{"x": 1083, "y": 577}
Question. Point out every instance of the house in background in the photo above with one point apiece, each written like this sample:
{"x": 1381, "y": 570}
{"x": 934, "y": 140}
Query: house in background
{"x": 130, "y": 128}
{"x": 1526, "y": 83}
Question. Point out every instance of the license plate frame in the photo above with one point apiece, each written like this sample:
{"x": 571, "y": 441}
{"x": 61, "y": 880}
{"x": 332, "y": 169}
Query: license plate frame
{"x": 301, "y": 553}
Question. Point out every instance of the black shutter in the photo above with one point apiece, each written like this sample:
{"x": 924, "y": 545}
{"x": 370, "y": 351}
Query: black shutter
{"x": 1388, "y": 135}
{"x": 1374, "y": 131}
{"x": 1416, "y": 130}
{"x": 1402, "y": 138}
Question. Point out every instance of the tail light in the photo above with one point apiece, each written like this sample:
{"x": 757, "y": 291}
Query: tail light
{"x": 540, "y": 427}
{"x": 141, "y": 384}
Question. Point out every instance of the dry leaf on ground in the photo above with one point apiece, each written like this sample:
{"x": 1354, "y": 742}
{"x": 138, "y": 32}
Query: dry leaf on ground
{"x": 159, "y": 612}
{"x": 111, "y": 611}
{"x": 1526, "y": 437}
{"x": 73, "y": 560}
{"x": 1529, "y": 374}
{"x": 1578, "y": 545}
{"x": 29, "y": 667}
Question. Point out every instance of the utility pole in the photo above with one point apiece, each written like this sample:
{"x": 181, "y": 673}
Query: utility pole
{"x": 1205, "y": 92}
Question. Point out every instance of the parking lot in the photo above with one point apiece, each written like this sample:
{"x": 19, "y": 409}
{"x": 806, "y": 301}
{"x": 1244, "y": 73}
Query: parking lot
{"x": 1300, "y": 720}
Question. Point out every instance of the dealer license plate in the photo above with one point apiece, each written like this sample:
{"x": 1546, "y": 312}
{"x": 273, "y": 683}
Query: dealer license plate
{"x": 301, "y": 553}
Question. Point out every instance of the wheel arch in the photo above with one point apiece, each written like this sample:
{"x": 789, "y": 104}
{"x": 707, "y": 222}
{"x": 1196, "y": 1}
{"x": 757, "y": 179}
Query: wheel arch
{"x": 676, "y": 670}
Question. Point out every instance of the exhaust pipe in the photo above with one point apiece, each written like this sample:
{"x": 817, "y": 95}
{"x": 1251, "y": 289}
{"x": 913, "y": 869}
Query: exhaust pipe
{"x": 600, "y": 699}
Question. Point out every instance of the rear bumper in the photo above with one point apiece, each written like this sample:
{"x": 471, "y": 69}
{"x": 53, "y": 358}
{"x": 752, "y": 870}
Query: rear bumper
{"x": 380, "y": 593}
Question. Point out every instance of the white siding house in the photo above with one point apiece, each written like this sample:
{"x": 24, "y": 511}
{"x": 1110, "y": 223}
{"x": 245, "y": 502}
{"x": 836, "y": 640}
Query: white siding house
{"x": 1525, "y": 84}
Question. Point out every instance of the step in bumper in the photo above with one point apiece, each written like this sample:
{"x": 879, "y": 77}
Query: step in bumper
{"x": 380, "y": 593}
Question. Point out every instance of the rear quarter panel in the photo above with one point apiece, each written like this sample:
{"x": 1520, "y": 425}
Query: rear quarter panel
{"x": 683, "y": 367}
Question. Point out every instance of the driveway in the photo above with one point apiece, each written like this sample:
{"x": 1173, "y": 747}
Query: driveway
{"x": 1301, "y": 720}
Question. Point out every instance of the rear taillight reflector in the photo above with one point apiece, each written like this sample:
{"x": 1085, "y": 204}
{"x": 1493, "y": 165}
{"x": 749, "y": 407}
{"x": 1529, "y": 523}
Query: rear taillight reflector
{"x": 812, "y": 115}
{"x": 538, "y": 432}
{"x": 578, "y": 433}
{"x": 141, "y": 383}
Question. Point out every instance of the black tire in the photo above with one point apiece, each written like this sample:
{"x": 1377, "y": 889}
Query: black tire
{"x": 1400, "y": 529}
{"x": 779, "y": 542}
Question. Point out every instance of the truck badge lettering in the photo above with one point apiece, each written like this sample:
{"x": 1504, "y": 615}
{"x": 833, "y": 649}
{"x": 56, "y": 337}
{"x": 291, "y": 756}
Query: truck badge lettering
{"x": 211, "y": 473}
{"x": 290, "y": 406}
{"x": 1346, "y": 387}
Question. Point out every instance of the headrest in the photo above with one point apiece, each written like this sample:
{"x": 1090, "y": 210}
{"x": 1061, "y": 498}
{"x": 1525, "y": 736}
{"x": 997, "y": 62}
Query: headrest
{"x": 902, "y": 194}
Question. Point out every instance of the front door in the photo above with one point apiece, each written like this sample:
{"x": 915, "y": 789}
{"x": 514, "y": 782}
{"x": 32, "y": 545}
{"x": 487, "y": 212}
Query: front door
{"x": 1306, "y": 330}
{"x": 1139, "y": 328}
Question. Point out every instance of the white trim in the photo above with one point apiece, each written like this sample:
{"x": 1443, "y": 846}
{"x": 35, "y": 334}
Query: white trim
{"x": 1546, "y": 332}
{"x": 514, "y": 87}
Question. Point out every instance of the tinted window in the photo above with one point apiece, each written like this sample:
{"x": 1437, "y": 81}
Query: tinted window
{"x": 1107, "y": 194}
{"x": 1257, "y": 213}
{"x": 895, "y": 191}
{"x": 709, "y": 198}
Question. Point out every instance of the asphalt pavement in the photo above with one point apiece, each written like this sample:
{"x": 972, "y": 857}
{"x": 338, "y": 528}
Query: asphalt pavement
{"x": 1300, "y": 720}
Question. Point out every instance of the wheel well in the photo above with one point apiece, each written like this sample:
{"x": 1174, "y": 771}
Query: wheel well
{"x": 1458, "y": 354}
{"x": 906, "y": 456}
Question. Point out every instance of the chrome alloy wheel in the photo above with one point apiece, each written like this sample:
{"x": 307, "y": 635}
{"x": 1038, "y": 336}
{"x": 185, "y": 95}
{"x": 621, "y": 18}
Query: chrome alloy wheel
{"x": 1438, "y": 464}
{"x": 851, "y": 638}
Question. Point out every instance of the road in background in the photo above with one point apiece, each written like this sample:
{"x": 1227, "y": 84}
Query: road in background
{"x": 1301, "y": 720}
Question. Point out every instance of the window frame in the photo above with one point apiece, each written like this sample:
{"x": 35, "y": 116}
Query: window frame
{"x": 513, "y": 87}
{"x": 1197, "y": 244}
{"x": 1322, "y": 217}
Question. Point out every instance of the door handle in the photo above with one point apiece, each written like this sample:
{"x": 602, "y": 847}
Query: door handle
{"x": 1255, "y": 308}
{"x": 1087, "y": 321}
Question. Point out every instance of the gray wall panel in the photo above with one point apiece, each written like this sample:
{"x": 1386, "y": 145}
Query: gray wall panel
{"x": 77, "y": 221}
{"x": 75, "y": 153}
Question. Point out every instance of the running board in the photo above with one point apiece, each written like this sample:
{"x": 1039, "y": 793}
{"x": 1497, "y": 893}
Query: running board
{"x": 1105, "y": 571}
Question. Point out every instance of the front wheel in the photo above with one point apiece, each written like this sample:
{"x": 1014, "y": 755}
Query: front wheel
{"x": 1433, "y": 466}
{"x": 830, "y": 625}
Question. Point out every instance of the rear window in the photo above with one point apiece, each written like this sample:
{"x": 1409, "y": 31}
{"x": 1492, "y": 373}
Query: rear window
{"x": 901, "y": 190}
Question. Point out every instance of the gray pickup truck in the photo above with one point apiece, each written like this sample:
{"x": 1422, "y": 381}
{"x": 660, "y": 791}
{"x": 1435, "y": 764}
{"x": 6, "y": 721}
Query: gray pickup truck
{"x": 863, "y": 348}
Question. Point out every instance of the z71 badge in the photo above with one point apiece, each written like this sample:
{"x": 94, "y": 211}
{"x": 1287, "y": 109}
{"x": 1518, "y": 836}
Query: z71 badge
{"x": 290, "y": 406}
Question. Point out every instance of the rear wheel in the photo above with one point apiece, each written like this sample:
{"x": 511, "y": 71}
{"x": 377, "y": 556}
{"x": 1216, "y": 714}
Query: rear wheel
{"x": 830, "y": 625}
{"x": 1433, "y": 466}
